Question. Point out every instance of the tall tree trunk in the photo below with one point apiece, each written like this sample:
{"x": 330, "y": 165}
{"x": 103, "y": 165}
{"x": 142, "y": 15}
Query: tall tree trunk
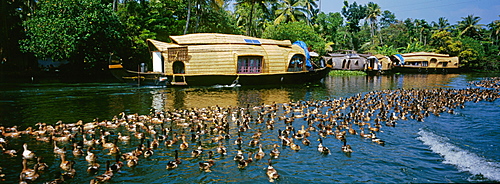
{"x": 197, "y": 14}
{"x": 372, "y": 32}
{"x": 249, "y": 31}
{"x": 188, "y": 17}
{"x": 115, "y": 4}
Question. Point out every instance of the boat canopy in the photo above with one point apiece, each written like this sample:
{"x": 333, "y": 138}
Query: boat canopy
{"x": 217, "y": 38}
{"x": 400, "y": 57}
{"x": 303, "y": 45}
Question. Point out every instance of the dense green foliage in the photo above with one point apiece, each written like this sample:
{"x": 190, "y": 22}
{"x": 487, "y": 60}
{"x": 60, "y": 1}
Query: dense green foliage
{"x": 85, "y": 32}
{"x": 295, "y": 31}
{"x": 81, "y": 31}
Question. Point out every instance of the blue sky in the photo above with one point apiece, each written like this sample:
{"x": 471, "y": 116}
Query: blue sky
{"x": 430, "y": 10}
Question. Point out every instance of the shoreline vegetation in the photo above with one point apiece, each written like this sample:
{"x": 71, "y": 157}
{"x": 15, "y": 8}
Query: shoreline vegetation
{"x": 89, "y": 31}
{"x": 346, "y": 73}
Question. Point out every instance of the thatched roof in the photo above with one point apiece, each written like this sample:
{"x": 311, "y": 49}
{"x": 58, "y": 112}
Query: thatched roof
{"x": 161, "y": 46}
{"x": 216, "y": 38}
{"x": 424, "y": 54}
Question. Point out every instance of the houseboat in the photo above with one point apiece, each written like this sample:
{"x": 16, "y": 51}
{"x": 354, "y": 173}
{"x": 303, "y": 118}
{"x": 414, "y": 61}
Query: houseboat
{"x": 346, "y": 60}
{"x": 378, "y": 64}
{"x": 207, "y": 59}
{"x": 424, "y": 62}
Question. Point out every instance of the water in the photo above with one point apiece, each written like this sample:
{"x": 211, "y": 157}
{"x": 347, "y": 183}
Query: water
{"x": 460, "y": 147}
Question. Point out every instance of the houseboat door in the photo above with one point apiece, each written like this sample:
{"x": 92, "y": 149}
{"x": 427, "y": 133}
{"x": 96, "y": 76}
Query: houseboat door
{"x": 178, "y": 67}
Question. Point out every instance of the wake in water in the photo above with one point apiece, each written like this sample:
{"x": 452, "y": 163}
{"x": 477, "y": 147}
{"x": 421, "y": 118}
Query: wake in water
{"x": 462, "y": 159}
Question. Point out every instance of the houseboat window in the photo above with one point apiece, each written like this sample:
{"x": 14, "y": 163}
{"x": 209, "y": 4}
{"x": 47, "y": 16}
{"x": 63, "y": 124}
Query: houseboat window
{"x": 433, "y": 60}
{"x": 296, "y": 63}
{"x": 356, "y": 63}
{"x": 250, "y": 64}
{"x": 178, "y": 67}
{"x": 425, "y": 63}
{"x": 445, "y": 64}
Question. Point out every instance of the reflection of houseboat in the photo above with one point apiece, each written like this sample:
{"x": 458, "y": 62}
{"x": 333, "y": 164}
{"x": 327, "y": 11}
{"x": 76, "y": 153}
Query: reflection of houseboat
{"x": 345, "y": 60}
{"x": 378, "y": 64}
{"x": 425, "y": 62}
{"x": 207, "y": 59}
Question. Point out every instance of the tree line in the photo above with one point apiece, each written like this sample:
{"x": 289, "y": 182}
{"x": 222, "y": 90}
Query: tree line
{"x": 85, "y": 32}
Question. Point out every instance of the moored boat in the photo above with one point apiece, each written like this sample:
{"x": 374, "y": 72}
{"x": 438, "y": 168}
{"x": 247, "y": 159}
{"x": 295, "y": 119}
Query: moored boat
{"x": 425, "y": 62}
{"x": 207, "y": 59}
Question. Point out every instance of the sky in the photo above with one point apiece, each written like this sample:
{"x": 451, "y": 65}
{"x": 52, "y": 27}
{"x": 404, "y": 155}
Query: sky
{"x": 429, "y": 10}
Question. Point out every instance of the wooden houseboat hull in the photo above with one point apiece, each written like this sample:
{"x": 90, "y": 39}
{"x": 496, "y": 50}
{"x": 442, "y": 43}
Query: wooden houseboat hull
{"x": 424, "y": 70}
{"x": 135, "y": 78}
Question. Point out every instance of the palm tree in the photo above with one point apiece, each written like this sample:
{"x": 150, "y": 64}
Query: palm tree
{"x": 441, "y": 25}
{"x": 252, "y": 4}
{"x": 495, "y": 30}
{"x": 373, "y": 12}
{"x": 215, "y": 4}
{"x": 312, "y": 8}
{"x": 291, "y": 11}
{"x": 469, "y": 26}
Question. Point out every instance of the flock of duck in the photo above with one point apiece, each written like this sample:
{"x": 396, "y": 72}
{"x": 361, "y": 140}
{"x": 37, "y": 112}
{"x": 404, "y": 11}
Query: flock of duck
{"x": 205, "y": 133}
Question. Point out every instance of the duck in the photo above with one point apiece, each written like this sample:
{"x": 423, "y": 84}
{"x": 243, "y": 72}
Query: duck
{"x": 148, "y": 152}
{"x": 271, "y": 172}
{"x": 91, "y": 157}
{"x": 123, "y": 138}
{"x": 275, "y": 153}
{"x": 306, "y": 141}
{"x": 11, "y": 153}
{"x": 117, "y": 165}
{"x": 260, "y": 154}
{"x": 390, "y": 123}
{"x": 377, "y": 140}
{"x": 27, "y": 174}
{"x": 70, "y": 173}
{"x": 363, "y": 135}
{"x": 27, "y": 154}
{"x": 184, "y": 145}
{"x": 132, "y": 161}
{"x": 93, "y": 168}
{"x": 254, "y": 142}
{"x": 206, "y": 165}
{"x": 107, "y": 175}
{"x": 174, "y": 163}
{"x": 323, "y": 149}
{"x": 113, "y": 150}
{"x": 351, "y": 130}
{"x": 58, "y": 150}
{"x": 346, "y": 148}
{"x": 238, "y": 140}
{"x": 239, "y": 156}
{"x": 294, "y": 146}
{"x": 65, "y": 164}
{"x": 242, "y": 164}
{"x": 197, "y": 152}
{"x": 77, "y": 151}
{"x": 41, "y": 166}
{"x": 221, "y": 149}
{"x": 154, "y": 144}
{"x": 105, "y": 144}
{"x": 89, "y": 143}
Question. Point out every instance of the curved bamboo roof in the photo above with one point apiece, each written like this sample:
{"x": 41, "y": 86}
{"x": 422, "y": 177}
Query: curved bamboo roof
{"x": 424, "y": 54}
{"x": 217, "y": 38}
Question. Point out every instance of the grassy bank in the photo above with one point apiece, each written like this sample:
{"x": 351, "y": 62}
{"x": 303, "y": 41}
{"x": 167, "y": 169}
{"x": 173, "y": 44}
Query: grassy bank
{"x": 346, "y": 73}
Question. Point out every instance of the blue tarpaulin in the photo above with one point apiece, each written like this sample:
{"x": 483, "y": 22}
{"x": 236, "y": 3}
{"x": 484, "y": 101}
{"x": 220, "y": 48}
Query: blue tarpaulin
{"x": 401, "y": 59}
{"x": 303, "y": 45}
